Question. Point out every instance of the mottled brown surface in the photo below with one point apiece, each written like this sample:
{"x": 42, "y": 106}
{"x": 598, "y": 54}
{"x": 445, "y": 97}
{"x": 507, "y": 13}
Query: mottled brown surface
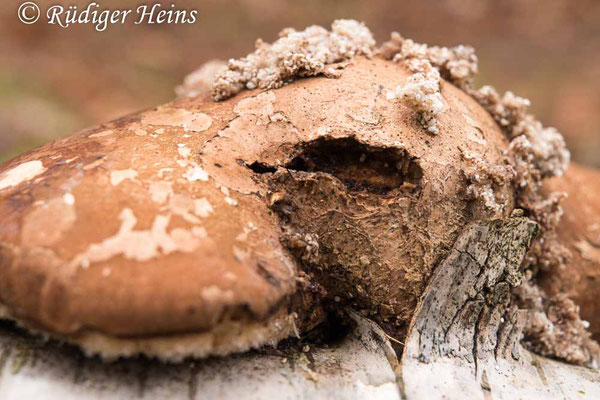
{"x": 579, "y": 231}
{"x": 236, "y": 269}
{"x": 377, "y": 249}
{"x": 226, "y": 265}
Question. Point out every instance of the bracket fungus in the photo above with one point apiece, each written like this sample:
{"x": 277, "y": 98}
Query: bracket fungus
{"x": 239, "y": 216}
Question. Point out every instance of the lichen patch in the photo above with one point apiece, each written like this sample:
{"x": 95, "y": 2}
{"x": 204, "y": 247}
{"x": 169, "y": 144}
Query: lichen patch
{"x": 229, "y": 200}
{"x": 160, "y": 191}
{"x": 260, "y": 105}
{"x": 588, "y": 251}
{"x": 103, "y": 133}
{"x": 199, "y": 232}
{"x": 183, "y": 150}
{"x": 215, "y": 295}
{"x": 246, "y": 230}
{"x": 182, "y": 205}
{"x": 21, "y": 173}
{"x": 93, "y": 164}
{"x": 69, "y": 199}
{"x": 196, "y": 173}
{"x": 139, "y": 131}
{"x": 161, "y": 172}
{"x": 202, "y": 207}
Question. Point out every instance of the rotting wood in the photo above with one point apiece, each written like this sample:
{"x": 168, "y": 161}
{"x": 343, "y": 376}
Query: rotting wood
{"x": 464, "y": 337}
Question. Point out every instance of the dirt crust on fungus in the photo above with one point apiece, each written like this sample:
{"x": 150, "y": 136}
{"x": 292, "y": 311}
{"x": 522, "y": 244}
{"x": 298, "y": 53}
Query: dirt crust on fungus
{"x": 367, "y": 204}
{"x": 535, "y": 153}
{"x": 295, "y": 54}
{"x": 574, "y": 266}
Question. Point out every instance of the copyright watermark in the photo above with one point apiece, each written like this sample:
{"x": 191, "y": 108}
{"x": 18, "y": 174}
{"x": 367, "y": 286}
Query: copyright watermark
{"x": 101, "y": 18}
{"x": 29, "y": 13}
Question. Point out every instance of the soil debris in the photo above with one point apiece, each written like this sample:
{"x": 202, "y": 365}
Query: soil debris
{"x": 555, "y": 329}
{"x": 295, "y": 54}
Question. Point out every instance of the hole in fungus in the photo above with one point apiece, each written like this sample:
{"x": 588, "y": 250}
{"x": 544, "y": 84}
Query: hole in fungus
{"x": 332, "y": 331}
{"x": 261, "y": 168}
{"x": 360, "y": 167}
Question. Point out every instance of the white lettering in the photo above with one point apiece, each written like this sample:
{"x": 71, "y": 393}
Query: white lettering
{"x": 192, "y": 19}
{"x": 145, "y": 13}
{"x": 102, "y": 18}
{"x": 56, "y": 12}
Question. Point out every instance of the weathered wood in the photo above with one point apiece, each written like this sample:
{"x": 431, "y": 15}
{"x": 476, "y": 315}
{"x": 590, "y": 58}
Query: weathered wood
{"x": 464, "y": 337}
{"x": 359, "y": 367}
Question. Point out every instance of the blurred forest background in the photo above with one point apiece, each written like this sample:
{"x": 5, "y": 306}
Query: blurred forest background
{"x": 55, "y": 81}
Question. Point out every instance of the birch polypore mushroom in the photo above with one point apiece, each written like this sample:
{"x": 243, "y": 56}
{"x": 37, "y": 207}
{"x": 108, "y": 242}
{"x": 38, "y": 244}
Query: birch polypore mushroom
{"x": 237, "y": 218}
{"x": 117, "y": 239}
{"x": 153, "y": 233}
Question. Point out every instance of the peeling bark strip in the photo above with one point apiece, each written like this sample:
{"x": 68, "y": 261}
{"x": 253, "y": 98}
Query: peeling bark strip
{"x": 464, "y": 338}
{"x": 467, "y": 296}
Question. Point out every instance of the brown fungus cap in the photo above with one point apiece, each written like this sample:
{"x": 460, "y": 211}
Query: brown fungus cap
{"x": 154, "y": 234}
{"x": 579, "y": 232}
{"x": 119, "y": 232}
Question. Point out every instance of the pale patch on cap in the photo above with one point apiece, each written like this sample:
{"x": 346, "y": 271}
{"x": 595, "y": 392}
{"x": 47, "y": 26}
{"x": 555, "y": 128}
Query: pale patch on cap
{"x": 21, "y": 173}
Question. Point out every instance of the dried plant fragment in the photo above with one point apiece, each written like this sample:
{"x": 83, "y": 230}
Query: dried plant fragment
{"x": 295, "y": 54}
